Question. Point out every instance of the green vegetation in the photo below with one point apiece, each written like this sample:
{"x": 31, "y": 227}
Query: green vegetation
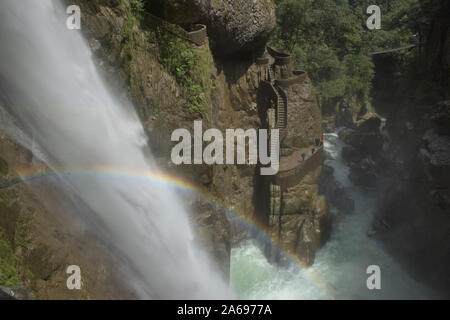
{"x": 189, "y": 65}
{"x": 180, "y": 58}
{"x": 181, "y": 61}
{"x": 8, "y": 263}
{"x": 329, "y": 39}
{"x": 137, "y": 7}
{"x": 3, "y": 167}
{"x": 13, "y": 234}
{"x": 131, "y": 38}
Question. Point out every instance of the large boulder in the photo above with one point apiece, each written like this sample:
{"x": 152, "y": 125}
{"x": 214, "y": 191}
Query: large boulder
{"x": 234, "y": 26}
{"x": 239, "y": 26}
{"x": 363, "y": 142}
{"x": 350, "y": 137}
{"x": 371, "y": 143}
{"x": 369, "y": 123}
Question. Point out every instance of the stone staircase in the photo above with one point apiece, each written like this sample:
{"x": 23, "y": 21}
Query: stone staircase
{"x": 281, "y": 112}
{"x": 274, "y": 148}
{"x": 280, "y": 107}
{"x": 271, "y": 75}
{"x": 280, "y": 123}
{"x": 281, "y": 104}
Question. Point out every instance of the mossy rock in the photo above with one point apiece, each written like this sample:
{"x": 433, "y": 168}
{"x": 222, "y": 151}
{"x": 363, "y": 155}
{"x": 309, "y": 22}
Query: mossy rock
{"x": 8, "y": 218}
{"x": 8, "y": 271}
{"x": 4, "y": 169}
{"x": 39, "y": 263}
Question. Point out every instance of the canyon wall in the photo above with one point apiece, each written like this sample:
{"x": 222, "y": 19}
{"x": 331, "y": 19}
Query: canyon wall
{"x": 404, "y": 154}
{"x": 414, "y": 220}
{"x": 173, "y": 82}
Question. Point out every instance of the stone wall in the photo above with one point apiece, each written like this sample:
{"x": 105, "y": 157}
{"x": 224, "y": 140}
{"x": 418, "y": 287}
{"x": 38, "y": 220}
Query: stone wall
{"x": 289, "y": 178}
{"x": 299, "y": 220}
{"x": 297, "y": 217}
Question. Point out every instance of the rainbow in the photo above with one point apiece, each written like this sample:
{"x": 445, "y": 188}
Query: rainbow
{"x": 28, "y": 174}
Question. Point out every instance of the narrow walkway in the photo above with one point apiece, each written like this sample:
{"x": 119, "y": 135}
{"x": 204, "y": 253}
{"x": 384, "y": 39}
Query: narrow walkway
{"x": 295, "y": 159}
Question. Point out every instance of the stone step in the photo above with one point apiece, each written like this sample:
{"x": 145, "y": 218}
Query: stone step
{"x": 271, "y": 75}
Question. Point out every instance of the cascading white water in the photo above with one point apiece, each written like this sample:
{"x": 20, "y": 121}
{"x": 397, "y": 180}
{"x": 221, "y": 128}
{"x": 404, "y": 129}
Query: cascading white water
{"x": 339, "y": 270}
{"x": 51, "y": 94}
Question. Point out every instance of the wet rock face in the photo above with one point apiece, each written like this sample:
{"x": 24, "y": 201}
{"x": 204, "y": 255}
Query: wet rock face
{"x": 435, "y": 154}
{"x": 362, "y": 142}
{"x": 300, "y": 221}
{"x": 437, "y": 148}
{"x": 38, "y": 242}
{"x": 413, "y": 217}
{"x": 214, "y": 233}
{"x": 370, "y": 125}
{"x": 364, "y": 148}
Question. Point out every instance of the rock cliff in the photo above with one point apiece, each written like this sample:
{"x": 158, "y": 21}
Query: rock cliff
{"x": 38, "y": 239}
{"x": 172, "y": 82}
{"x": 406, "y": 159}
{"x": 231, "y": 91}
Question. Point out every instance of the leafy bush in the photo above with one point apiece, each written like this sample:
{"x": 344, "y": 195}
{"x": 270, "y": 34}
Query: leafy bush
{"x": 137, "y": 7}
{"x": 181, "y": 61}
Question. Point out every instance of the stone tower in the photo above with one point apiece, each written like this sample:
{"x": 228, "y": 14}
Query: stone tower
{"x": 297, "y": 217}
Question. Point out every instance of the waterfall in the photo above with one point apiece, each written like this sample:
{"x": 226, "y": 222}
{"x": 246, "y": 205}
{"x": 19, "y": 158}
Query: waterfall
{"x": 53, "y": 100}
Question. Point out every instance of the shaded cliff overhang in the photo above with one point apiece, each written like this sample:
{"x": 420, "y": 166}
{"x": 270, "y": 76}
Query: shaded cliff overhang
{"x": 235, "y": 27}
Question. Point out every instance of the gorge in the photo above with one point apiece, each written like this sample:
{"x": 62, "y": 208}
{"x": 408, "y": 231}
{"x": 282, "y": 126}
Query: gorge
{"x": 86, "y": 174}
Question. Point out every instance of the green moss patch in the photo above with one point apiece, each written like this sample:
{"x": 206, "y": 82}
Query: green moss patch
{"x": 14, "y": 233}
{"x": 8, "y": 263}
{"x": 4, "y": 169}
